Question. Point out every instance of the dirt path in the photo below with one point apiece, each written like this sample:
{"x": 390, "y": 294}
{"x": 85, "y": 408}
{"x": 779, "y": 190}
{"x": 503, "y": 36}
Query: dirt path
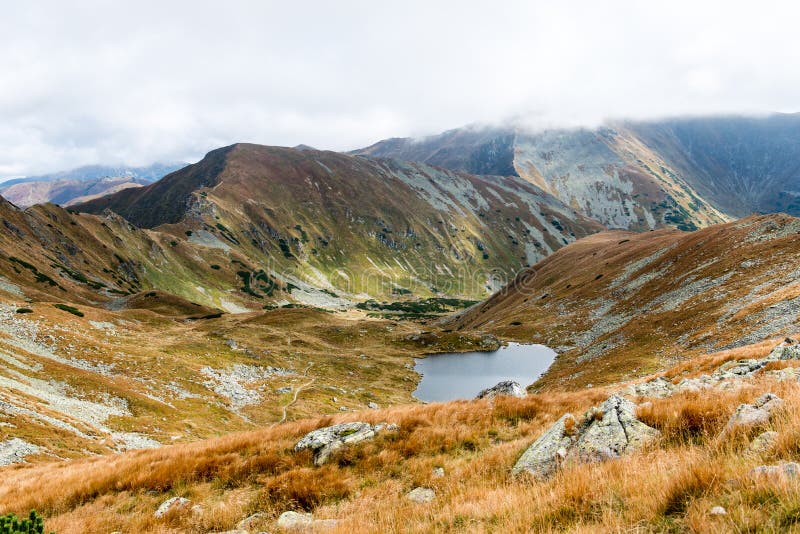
{"x": 296, "y": 393}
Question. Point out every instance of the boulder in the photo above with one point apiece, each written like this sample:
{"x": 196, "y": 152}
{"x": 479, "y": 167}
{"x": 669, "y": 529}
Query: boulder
{"x": 175, "y": 503}
{"x": 325, "y": 441}
{"x": 305, "y": 522}
{"x": 718, "y": 510}
{"x": 421, "y": 495}
{"x": 606, "y": 432}
{"x": 543, "y": 458}
{"x": 438, "y": 472}
{"x": 758, "y": 413}
{"x": 295, "y": 520}
{"x": 373, "y": 406}
{"x": 507, "y": 388}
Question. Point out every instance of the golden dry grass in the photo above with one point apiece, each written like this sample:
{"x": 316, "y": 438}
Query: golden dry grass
{"x": 668, "y": 488}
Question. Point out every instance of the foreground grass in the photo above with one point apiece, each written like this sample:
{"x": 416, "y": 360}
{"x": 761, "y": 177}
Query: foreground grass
{"x": 669, "y": 488}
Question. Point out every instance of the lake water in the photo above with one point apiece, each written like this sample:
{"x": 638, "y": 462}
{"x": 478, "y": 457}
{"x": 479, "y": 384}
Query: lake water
{"x": 462, "y": 375}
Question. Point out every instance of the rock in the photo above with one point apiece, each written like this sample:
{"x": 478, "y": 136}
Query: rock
{"x": 303, "y": 521}
{"x": 606, "y": 432}
{"x": 175, "y": 503}
{"x": 764, "y": 442}
{"x": 342, "y": 408}
{"x": 389, "y": 427}
{"x": 438, "y": 472}
{"x": 758, "y": 413}
{"x": 507, "y": 388}
{"x": 295, "y": 520}
{"x": 421, "y": 495}
{"x": 237, "y": 531}
{"x": 779, "y": 471}
{"x": 248, "y": 522}
{"x": 718, "y": 510}
{"x": 373, "y": 406}
{"x": 324, "y": 441}
{"x": 14, "y": 451}
{"x": 284, "y": 390}
{"x": 543, "y": 457}
{"x": 657, "y": 388}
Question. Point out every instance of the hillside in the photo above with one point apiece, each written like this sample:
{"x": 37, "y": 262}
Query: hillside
{"x": 353, "y": 225}
{"x": 682, "y": 173}
{"x": 79, "y": 185}
{"x": 461, "y": 454}
{"x": 620, "y": 304}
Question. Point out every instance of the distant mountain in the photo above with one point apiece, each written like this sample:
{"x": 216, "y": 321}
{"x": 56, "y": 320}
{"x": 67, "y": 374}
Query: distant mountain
{"x": 79, "y": 185}
{"x": 684, "y": 173}
{"x": 352, "y": 224}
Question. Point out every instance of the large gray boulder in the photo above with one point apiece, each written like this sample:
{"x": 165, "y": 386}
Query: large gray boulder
{"x": 507, "y": 388}
{"x": 758, "y": 413}
{"x": 174, "y": 503}
{"x": 325, "y": 441}
{"x": 606, "y": 432}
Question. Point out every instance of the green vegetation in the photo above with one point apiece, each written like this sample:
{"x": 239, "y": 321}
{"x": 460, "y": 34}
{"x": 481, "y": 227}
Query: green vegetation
{"x": 415, "y": 309}
{"x": 40, "y": 277}
{"x": 11, "y": 524}
{"x": 70, "y": 309}
{"x": 24, "y": 310}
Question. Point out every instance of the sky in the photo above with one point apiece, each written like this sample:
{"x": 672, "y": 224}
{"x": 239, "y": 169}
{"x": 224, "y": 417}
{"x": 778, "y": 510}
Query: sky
{"x": 113, "y": 82}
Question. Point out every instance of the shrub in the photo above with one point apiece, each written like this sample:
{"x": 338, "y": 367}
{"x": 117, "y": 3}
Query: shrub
{"x": 24, "y": 310}
{"x": 69, "y": 309}
{"x": 10, "y": 524}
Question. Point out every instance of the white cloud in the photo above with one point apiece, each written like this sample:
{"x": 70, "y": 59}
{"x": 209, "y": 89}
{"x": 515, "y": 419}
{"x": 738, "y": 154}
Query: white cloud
{"x": 107, "y": 82}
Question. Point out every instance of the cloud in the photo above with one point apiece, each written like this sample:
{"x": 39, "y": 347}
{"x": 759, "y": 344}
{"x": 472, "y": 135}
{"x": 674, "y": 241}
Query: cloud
{"x": 130, "y": 83}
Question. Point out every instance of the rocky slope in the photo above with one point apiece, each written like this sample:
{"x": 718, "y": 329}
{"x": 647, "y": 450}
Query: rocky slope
{"x": 79, "y": 185}
{"x": 618, "y": 304}
{"x": 683, "y": 173}
{"x": 352, "y": 225}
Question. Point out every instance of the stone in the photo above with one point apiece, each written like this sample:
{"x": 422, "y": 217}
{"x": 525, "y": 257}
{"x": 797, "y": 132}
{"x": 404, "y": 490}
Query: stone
{"x": 284, "y": 390}
{"x": 605, "y": 433}
{"x": 763, "y": 442}
{"x": 718, "y": 510}
{"x": 438, "y": 472}
{"x": 783, "y": 470}
{"x": 373, "y": 406}
{"x": 236, "y": 531}
{"x": 657, "y": 388}
{"x": 250, "y": 521}
{"x": 303, "y": 521}
{"x": 295, "y": 520}
{"x": 325, "y": 441}
{"x": 542, "y": 458}
{"x": 507, "y": 388}
{"x": 174, "y": 503}
{"x": 14, "y": 451}
{"x": 758, "y": 413}
{"x": 421, "y": 495}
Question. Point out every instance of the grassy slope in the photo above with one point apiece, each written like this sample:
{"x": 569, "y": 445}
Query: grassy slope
{"x": 676, "y": 482}
{"x": 619, "y": 304}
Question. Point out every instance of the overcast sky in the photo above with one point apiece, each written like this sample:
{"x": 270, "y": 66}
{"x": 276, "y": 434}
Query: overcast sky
{"x": 98, "y": 82}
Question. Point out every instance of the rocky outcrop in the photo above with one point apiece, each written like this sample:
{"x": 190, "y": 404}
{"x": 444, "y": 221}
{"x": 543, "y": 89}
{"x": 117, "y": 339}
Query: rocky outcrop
{"x": 507, "y": 388}
{"x": 764, "y": 442}
{"x": 726, "y": 376}
{"x": 14, "y": 451}
{"x": 325, "y": 441}
{"x": 606, "y": 432}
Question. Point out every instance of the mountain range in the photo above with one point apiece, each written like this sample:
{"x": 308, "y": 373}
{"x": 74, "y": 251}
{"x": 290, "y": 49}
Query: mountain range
{"x": 686, "y": 173}
{"x": 223, "y": 312}
{"x": 81, "y": 184}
